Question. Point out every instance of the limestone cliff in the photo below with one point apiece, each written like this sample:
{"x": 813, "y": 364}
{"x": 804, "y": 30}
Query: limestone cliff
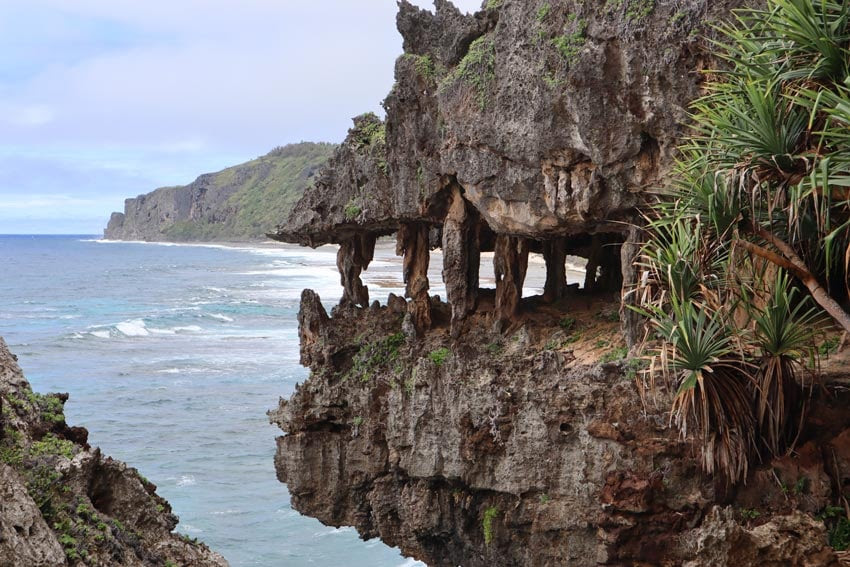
{"x": 239, "y": 203}
{"x": 62, "y": 502}
{"x": 525, "y": 449}
{"x": 485, "y": 428}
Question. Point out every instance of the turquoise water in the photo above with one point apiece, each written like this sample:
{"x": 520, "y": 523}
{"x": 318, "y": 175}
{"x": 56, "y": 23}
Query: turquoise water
{"x": 172, "y": 355}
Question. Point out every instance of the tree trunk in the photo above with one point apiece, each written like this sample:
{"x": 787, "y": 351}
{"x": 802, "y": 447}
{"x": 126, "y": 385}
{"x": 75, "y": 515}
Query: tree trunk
{"x": 795, "y": 265}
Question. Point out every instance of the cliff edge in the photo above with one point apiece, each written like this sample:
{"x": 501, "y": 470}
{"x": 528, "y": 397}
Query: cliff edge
{"x": 488, "y": 428}
{"x": 238, "y": 203}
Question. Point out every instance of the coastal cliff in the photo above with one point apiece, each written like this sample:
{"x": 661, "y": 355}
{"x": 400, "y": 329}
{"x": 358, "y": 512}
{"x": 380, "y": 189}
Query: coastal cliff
{"x": 488, "y": 428}
{"x": 62, "y": 502}
{"x": 239, "y": 203}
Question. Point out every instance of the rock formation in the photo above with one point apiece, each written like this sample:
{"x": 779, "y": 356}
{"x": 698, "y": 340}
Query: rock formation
{"x": 62, "y": 502}
{"x": 239, "y": 203}
{"x": 496, "y": 429}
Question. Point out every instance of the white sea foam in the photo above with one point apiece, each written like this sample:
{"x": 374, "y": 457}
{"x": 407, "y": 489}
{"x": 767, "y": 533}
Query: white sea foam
{"x": 410, "y": 562}
{"x": 335, "y": 531}
{"x": 133, "y": 328}
{"x": 220, "y": 317}
{"x": 175, "y": 330}
{"x": 186, "y": 480}
{"x": 101, "y": 334}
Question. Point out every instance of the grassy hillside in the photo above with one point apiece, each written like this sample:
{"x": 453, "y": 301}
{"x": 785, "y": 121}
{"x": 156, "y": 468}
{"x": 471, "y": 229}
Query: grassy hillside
{"x": 248, "y": 200}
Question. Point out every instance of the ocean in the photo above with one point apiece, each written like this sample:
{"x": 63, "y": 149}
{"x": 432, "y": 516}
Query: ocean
{"x": 172, "y": 354}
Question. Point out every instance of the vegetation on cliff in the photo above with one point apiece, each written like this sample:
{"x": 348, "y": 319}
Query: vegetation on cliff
{"x": 241, "y": 202}
{"x": 751, "y": 249}
{"x": 267, "y": 188}
{"x": 65, "y": 503}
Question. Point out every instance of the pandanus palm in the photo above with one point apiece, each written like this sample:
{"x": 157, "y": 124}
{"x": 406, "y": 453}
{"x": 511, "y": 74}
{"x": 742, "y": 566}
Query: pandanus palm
{"x": 762, "y": 192}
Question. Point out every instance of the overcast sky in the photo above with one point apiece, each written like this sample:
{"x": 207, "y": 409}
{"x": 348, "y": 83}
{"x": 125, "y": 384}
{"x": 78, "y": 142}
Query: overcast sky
{"x": 106, "y": 99}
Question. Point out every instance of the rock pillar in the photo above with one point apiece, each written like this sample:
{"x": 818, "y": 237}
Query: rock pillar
{"x": 353, "y": 257}
{"x": 603, "y": 266}
{"x": 461, "y": 259}
{"x": 555, "y": 254}
{"x": 632, "y": 322}
{"x": 510, "y": 262}
{"x": 412, "y": 243}
{"x": 592, "y": 267}
{"x": 312, "y": 328}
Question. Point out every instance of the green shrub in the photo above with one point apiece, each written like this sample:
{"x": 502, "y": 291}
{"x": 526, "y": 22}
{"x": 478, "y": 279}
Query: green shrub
{"x": 52, "y": 445}
{"x": 477, "y": 69}
{"x": 352, "y": 211}
{"x": 747, "y": 249}
{"x": 439, "y": 356}
{"x": 570, "y": 43}
{"x": 490, "y": 514}
{"x": 375, "y": 355}
{"x": 618, "y": 353}
{"x": 839, "y": 535}
{"x": 567, "y": 322}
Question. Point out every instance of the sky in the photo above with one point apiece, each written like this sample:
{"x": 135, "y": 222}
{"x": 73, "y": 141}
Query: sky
{"x": 101, "y": 100}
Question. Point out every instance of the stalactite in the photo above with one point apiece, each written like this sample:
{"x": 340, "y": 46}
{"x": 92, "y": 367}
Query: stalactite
{"x": 461, "y": 259}
{"x": 555, "y": 255}
{"x": 353, "y": 257}
{"x": 510, "y": 263}
{"x": 412, "y": 243}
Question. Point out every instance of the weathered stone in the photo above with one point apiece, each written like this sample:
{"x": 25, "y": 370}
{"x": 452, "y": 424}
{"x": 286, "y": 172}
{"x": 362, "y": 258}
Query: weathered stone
{"x": 461, "y": 259}
{"x": 555, "y": 256}
{"x": 412, "y": 243}
{"x": 25, "y": 538}
{"x": 795, "y": 539}
{"x": 520, "y": 451}
{"x": 75, "y": 484}
{"x": 510, "y": 264}
{"x": 354, "y": 255}
{"x": 632, "y": 321}
{"x": 313, "y": 322}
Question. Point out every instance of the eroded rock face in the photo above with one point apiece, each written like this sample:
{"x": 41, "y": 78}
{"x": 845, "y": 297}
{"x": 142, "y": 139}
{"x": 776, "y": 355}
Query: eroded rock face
{"x": 795, "y": 539}
{"x": 534, "y": 121}
{"x": 552, "y": 116}
{"x": 228, "y": 205}
{"x": 485, "y": 431}
{"x": 25, "y": 538}
{"x": 62, "y": 502}
{"x": 506, "y": 452}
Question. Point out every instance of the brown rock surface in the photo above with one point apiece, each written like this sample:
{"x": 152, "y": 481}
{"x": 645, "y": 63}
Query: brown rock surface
{"x": 65, "y": 503}
{"x": 487, "y": 431}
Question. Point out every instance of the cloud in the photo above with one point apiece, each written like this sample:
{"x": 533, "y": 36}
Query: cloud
{"x": 41, "y": 203}
{"x": 108, "y": 95}
{"x": 26, "y": 115}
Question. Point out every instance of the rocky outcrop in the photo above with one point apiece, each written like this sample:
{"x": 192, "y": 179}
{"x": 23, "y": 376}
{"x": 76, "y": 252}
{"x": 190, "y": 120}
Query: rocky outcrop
{"x": 62, "y": 502}
{"x": 239, "y": 203}
{"x": 498, "y": 429}
{"x": 536, "y": 122}
{"x": 552, "y": 117}
{"x": 513, "y": 450}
